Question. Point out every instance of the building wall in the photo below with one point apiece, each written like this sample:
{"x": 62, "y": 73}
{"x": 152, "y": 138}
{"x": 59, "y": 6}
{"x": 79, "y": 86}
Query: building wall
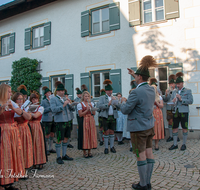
{"x": 172, "y": 41}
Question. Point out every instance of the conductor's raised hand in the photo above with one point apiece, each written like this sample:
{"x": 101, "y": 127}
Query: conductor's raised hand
{"x": 131, "y": 72}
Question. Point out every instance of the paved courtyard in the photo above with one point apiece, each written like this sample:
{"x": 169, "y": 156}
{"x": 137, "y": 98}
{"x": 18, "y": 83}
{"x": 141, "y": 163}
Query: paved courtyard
{"x": 173, "y": 169}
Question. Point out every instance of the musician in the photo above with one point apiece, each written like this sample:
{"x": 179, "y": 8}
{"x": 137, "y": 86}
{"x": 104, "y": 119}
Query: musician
{"x": 109, "y": 115}
{"x": 22, "y": 89}
{"x": 61, "y": 119}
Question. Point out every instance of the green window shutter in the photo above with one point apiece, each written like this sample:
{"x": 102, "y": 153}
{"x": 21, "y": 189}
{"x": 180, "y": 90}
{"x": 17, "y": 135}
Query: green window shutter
{"x": 175, "y": 68}
{"x": 171, "y": 9}
{"x": 45, "y": 81}
{"x": 69, "y": 85}
{"x": 135, "y": 69}
{"x": 134, "y": 12}
{"x": 85, "y": 79}
{"x": 114, "y": 16}
{"x": 27, "y": 39}
{"x": 115, "y": 77}
{"x": 85, "y": 23}
{"x": 12, "y": 43}
{"x": 47, "y": 33}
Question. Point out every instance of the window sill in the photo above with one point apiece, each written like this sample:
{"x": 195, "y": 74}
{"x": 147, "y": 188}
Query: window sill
{"x": 99, "y": 34}
{"x": 153, "y": 23}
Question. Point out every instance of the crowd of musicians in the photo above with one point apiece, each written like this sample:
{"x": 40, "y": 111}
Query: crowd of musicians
{"x": 29, "y": 125}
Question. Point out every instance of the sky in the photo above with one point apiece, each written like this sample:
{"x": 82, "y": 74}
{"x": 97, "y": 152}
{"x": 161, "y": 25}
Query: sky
{"x": 2, "y": 2}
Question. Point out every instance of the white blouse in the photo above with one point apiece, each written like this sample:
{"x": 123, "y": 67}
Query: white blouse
{"x": 79, "y": 106}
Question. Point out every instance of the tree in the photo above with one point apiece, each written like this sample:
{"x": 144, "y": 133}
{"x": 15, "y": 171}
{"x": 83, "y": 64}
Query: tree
{"x": 24, "y": 72}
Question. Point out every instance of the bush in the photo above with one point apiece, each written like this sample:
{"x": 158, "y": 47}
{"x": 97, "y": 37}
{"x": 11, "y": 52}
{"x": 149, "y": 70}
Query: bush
{"x": 24, "y": 72}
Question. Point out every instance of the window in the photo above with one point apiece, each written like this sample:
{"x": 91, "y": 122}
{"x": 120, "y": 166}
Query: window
{"x": 147, "y": 11}
{"x": 98, "y": 79}
{"x": 7, "y": 44}
{"x": 38, "y": 36}
{"x": 4, "y": 82}
{"x": 153, "y": 10}
{"x": 54, "y": 79}
{"x": 100, "y": 21}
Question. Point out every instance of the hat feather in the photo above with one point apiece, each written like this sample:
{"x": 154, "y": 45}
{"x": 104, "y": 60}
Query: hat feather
{"x": 83, "y": 87}
{"x": 44, "y": 87}
{"x": 172, "y": 77}
{"x": 107, "y": 81}
{"x": 179, "y": 74}
{"x": 22, "y": 87}
{"x": 151, "y": 80}
{"x": 147, "y": 62}
{"x": 57, "y": 83}
{"x": 77, "y": 89}
{"x": 102, "y": 90}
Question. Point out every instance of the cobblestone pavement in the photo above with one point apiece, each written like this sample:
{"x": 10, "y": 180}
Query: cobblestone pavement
{"x": 173, "y": 169}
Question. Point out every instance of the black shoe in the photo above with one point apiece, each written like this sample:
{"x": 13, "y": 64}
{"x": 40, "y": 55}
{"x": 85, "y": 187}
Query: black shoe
{"x": 149, "y": 186}
{"x": 106, "y": 151}
{"x": 120, "y": 142}
{"x": 183, "y": 147}
{"x": 169, "y": 139}
{"x": 138, "y": 186}
{"x": 52, "y": 151}
{"x": 178, "y": 139}
{"x": 157, "y": 148}
{"x": 101, "y": 143}
{"x": 48, "y": 153}
{"x": 54, "y": 141}
{"x": 67, "y": 158}
{"x": 11, "y": 188}
{"x": 173, "y": 147}
{"x": 70, "y": 146}
{"x": 131, "y": 149}
{"x": 59, "y": 161}
{"x": 108, "y": 143}
{"x": 113, "y": 150}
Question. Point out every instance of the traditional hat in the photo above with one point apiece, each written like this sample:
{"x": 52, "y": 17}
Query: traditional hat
{"x": 172, "y": 79}
{"x": 102, "y": 92}
{"x": 108, "y": 83}
{"x": 153, "y": 81}
{"x": 22, "y": 88}
{"x": 59, "y": 86}
{"x": 66, "y": 92}
{"x": 46, "y": 89}
{"x": 78, "y": 91}
{"x": 83, "y": 87}
{"x": 179, "y": 77}
{"x": 146, "y": 62}
{"x": 133, "y": 84}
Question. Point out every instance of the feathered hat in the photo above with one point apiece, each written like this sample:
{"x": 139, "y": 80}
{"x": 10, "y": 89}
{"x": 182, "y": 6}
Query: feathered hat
{"x": 172, "y": 79}
{"x": 179, "y": 77}
{"x": 66, "y": 92}
{"x": 59, "y": 86}
{"x": 153, "y": 81}
{"x": 78, "y": 91}
{"x": 146, "y": 62}
{"x": 83, "y": 87}
{"x": 133, "y": 84}
{"x": 45, "y": 89}
{"x": 102, "y": 92}
{"x": 108, "y": 83}
{"x": 22, "y": 88}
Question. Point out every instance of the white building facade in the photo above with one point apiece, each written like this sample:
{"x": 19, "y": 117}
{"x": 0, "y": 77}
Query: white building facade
{"x": 87, "y": 41}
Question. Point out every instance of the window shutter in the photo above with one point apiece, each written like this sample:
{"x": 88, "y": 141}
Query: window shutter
{"x": 85, "y": 23}
{"x": 45, "y": 81}
{"x": 69, "y": 85}
{"x": 134, "y": 12}
{"x": 115, "y": 77}
{"x": 0, "y": 45}
{"x": 27, "y": 38}
{"x": 47, "y": 33}
{"x": 171, "y": 9}
{"x": 12, "y": 43}
{"x": 85, "y": 79}
{"x": 114, "y": 16}
{"x": 175, "y": 68}
{"x": 135, "y": 69}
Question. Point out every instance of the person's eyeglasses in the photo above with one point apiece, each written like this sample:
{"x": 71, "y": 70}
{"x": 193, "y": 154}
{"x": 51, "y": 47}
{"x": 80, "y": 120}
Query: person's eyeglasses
{"x": 19, "y": 98}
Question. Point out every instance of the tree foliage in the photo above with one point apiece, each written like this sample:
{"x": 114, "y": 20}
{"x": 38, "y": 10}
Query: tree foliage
{"x": 24, "y": 72}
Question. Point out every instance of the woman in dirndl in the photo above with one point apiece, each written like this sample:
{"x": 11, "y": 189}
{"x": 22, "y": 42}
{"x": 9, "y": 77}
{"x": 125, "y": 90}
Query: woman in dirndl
{"x": 39, "y": 156}
{"x": 87, "y": 134}
{"x": 24, "y": 130}
{"x": 11, "y": 155}
{"x": 158, "y": 115}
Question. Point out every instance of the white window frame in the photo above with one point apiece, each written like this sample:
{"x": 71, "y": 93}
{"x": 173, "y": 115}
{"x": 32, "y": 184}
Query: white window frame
{"x": 100, "y": 21}
{"x": 153, "y": 10}
{"x": 102, "y": 78}
{"x": 39, "y": 37}
{"x": 52, "y": 81}
{"x": 5, "y": 48}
